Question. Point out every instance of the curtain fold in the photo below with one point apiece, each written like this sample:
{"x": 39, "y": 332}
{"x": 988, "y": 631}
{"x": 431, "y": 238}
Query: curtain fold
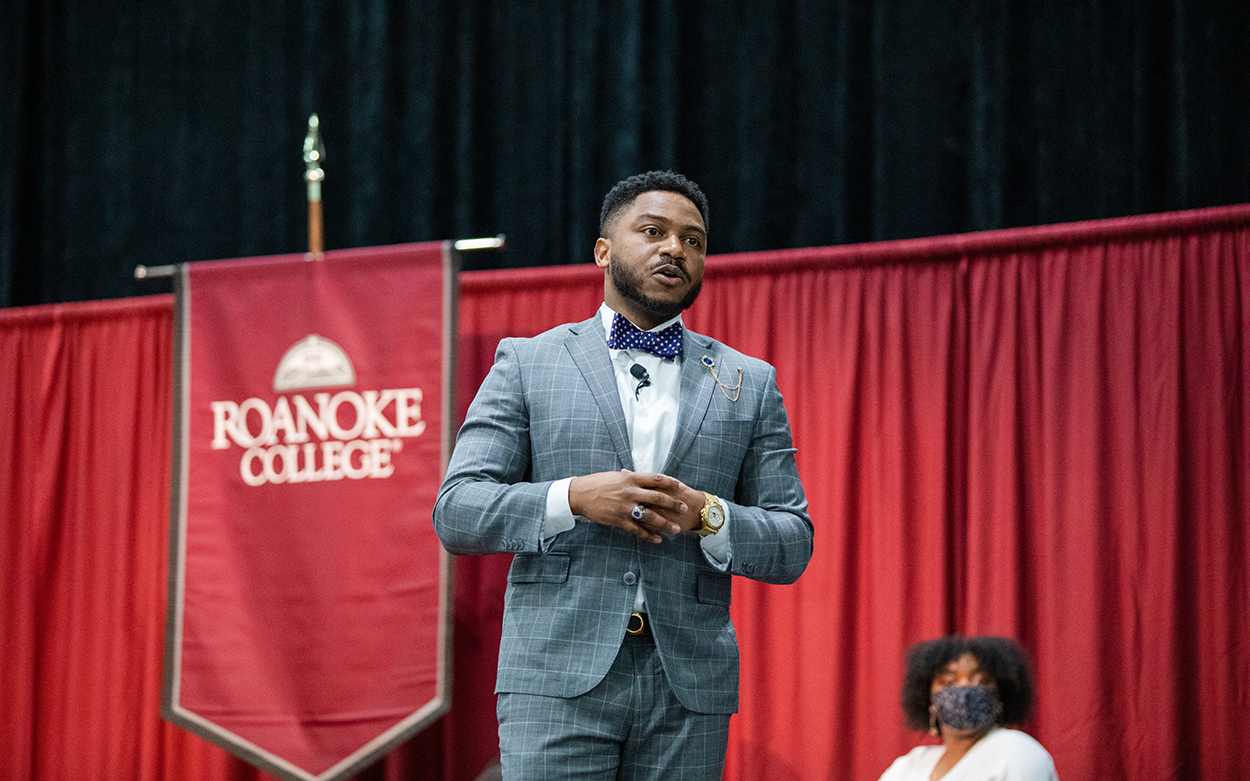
{"x": 1043, "y": 433}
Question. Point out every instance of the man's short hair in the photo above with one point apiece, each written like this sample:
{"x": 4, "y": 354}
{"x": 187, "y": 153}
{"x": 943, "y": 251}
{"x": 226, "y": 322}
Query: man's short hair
{"x": 625, "y": 191}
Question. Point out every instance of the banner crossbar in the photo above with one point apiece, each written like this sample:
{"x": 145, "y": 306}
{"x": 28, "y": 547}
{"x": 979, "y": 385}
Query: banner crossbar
{"x": 461, "y": 245}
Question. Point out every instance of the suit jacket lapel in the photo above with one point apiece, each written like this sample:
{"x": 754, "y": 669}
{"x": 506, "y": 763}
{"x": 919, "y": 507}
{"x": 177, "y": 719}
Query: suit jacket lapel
{"x": 696, "y": 394}
{"x": 587, "y": 345}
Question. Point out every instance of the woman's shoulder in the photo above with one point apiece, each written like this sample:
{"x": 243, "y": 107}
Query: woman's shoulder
{"x": 915, "y": 764}
{"x": 1021, "y": 752}
{"x": 1014, "y": 739}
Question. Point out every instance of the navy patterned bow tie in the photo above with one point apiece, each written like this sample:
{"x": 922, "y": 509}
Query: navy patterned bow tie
{"x": 624, "y": 335}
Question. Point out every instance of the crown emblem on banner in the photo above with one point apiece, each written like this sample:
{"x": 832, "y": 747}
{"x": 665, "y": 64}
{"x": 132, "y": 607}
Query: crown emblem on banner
{"x": 314, "y": 362}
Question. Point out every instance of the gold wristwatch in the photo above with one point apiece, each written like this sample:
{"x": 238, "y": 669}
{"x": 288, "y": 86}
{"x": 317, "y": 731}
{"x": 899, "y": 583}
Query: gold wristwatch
{"x": 712, "y": 514}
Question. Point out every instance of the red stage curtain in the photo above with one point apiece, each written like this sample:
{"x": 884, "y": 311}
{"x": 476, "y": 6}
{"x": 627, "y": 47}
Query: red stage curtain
{"x": 84, "y": 485}
{"x": 1043, "y": 433}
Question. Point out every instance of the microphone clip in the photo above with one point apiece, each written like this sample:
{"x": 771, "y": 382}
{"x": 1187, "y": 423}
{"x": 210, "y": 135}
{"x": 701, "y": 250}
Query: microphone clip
{"x": 644, "y": 379}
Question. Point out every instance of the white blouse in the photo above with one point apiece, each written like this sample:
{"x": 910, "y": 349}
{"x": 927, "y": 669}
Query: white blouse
{"x": 1002, "y": 755}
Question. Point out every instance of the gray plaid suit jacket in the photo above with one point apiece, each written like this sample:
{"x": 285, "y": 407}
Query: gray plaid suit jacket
{"x": 550, "y": 409}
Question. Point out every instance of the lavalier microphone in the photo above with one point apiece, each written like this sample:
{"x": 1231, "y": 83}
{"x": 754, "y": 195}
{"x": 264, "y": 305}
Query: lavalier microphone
{"x": 640, "y": 374}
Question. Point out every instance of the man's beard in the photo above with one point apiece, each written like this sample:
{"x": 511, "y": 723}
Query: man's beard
{"x": 629, "y": 284}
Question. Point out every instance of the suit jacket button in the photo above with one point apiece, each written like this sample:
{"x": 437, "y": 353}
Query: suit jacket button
{"x": 630, "y": 578}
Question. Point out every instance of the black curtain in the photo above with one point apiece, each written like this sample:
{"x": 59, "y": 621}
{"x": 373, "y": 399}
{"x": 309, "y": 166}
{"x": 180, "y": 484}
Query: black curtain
{"x": 155, "y": 132}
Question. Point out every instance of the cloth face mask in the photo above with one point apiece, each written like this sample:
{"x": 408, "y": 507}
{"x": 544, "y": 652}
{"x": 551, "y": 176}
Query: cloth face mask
{"x": 967, "y": 707}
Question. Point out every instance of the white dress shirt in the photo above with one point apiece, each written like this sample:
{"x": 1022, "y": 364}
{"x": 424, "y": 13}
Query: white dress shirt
{"x": 651, "y": 422}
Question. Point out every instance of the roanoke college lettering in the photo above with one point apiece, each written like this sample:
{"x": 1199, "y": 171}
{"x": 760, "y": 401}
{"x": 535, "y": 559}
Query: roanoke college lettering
{"x": 278, "y": 440}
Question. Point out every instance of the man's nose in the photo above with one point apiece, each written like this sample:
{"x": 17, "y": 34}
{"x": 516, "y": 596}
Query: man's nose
{"x": 673, "y": 246}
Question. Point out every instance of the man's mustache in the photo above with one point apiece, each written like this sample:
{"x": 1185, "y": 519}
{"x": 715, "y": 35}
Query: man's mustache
{"x": 675, "y": 263}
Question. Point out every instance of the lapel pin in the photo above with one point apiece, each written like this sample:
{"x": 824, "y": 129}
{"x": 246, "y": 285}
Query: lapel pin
{"x": 737, "y": 389}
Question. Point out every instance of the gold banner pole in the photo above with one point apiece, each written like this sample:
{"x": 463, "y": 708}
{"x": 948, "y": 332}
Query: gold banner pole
{"x": 314, "y": 155}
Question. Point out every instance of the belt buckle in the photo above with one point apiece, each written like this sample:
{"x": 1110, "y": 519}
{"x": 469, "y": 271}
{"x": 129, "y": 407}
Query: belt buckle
{"x": 637, "y": 624}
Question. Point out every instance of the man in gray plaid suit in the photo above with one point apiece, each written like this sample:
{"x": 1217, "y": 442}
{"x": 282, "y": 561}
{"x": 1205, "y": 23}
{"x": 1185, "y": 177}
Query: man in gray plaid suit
{"x": 632, "y": 467}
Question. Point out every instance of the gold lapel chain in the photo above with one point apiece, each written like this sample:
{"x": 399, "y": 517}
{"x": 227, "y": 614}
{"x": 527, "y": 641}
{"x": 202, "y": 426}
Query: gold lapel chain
{"x": 737, "y": 389}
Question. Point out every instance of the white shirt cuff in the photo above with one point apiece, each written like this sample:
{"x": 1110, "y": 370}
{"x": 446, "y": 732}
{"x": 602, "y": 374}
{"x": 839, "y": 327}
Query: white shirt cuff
{"x": 559, "y": 514}
{"x": 716, "y": 546}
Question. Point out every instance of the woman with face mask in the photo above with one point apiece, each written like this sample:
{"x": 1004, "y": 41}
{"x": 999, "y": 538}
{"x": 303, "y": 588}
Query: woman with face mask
{"x": 964, "y": 690}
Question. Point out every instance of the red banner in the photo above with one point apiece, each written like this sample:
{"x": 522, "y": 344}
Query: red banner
{"x": 308, "y": 620}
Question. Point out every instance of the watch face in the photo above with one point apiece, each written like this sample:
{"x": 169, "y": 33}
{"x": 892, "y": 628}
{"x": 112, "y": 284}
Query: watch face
{"x": 715, "y": 515}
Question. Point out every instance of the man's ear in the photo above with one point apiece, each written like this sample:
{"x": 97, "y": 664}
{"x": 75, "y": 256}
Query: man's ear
{"x": 603, "y": 250}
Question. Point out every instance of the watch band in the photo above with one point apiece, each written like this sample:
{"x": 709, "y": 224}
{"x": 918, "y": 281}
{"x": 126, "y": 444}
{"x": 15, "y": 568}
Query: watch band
{"x": 712, "y": 515}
